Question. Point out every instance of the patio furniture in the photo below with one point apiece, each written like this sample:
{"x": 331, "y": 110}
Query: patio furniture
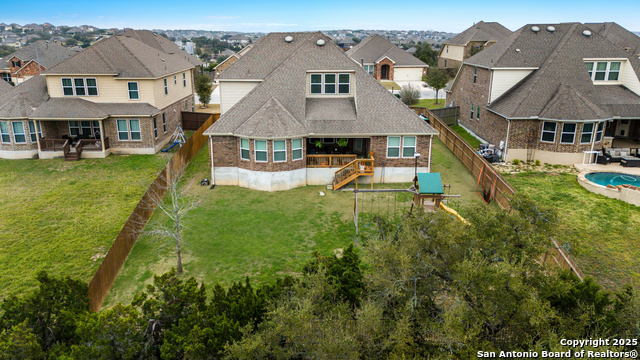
{"x": 616, "y": 154}
{"x": 630, "y": 161}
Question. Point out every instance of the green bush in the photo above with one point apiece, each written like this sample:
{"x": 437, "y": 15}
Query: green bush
{"x": 537, "y": 162}
{"x": 516, "y": 162}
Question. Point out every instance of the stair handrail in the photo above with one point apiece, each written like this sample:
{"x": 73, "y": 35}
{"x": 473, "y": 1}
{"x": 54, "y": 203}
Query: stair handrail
{"x": 65, "y": 148}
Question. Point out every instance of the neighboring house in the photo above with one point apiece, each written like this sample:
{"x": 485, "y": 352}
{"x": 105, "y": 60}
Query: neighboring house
{"x": 469, "y": 42}
{"x": 346, "y": 44}
{"x": 4, "y": 27}
{"x": 74, "y": 30}
{"x": 23, "y": 64}
{"x": 412, "y": 50}
{"x": 33, "y": 27}
{"x": 239, "y": 40}
{"x": 549, "y": 93}
{"x": 231, "y": 58}
{"x": 58, "y": 40}
{"x": 4, "y": 87}
{"x": 291, "y": 91}
{"x": 386, "y": 61}
{"x": 122, "y": 95}
{"x": 13, "y": 41}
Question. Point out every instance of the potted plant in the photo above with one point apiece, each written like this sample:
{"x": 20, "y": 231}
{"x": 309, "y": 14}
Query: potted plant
{"x": 342, "y": 142}
{"x": 370, "y": 155}
{"x": 318, "y": 144}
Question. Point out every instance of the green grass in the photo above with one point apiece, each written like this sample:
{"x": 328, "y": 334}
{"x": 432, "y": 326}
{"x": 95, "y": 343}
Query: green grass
{"x": 474, "y": 142}
{"x": 63, "y": 216}
{"x": 601, "y": 234}
{"x": 237, "y": 232}
{"x": 391, "y": 84}
{"x": 430, "y": 103}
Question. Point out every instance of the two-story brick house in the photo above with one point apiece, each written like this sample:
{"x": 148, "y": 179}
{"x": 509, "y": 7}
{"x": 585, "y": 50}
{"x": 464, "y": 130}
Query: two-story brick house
{"x": 296, "y": 110}
{"x": 549, "y": 92}
{"x": 122, "y": 95}
{"x": 23, "y": 64}
{"x": 469, "y": 42}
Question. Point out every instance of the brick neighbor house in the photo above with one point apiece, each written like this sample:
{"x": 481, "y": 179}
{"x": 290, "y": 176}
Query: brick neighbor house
{"x": 476, "y": 38}
{"x": 23, "y": 64}
{"x": 550, "y": 92}
{"x": 122, "y": 95}
{"x": 386, "y": 61}
{"x": 296, "y": 111}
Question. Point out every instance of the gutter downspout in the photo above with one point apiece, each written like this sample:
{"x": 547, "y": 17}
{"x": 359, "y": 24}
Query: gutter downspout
{"x": 506, "y": 142}
{"x": 213, "y": 178}
{"x": 429, "y": 163}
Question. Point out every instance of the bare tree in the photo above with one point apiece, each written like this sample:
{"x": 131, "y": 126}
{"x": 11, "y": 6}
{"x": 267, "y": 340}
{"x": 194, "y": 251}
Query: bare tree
{"x": 409, "y": 95}
{"x": 173, "y": 197}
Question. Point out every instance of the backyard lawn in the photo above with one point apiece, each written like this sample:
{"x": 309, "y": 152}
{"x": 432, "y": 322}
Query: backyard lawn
{"x": 391, "y": 84}
{"x": 63, "y": 216}
{"x": 601, "y": 234}
{"x": 237, "y": 232}
{"x": 473, "y": 141}
{"x": 430, "y": 103}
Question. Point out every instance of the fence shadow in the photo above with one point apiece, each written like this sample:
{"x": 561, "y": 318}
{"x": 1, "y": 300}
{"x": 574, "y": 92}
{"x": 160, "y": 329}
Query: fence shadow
{"x": 106, "y": 274}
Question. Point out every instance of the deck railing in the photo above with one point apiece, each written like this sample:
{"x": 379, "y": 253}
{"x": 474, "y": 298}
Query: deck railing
{"x": 53, "y": 144}
{"x": 361, "y": 166}
{"x": 328, "y": 160}
{"x": 93, "y": 144}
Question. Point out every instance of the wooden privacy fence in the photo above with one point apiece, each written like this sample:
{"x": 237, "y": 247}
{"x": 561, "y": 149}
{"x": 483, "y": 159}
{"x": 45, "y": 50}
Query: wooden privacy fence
{"x": 490, "y": 181}
{"x": 193, "y": 120}
{"x": 448, "y": 115}
{"x": 112, "y": 263}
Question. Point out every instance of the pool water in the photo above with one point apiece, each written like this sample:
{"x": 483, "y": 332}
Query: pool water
{"x": 615, "y": 179}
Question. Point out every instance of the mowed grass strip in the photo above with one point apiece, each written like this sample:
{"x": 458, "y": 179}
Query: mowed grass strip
{"x": 600, "y": 233}
{"x": 431, "y": 103}
{"x": 63, "y": 216}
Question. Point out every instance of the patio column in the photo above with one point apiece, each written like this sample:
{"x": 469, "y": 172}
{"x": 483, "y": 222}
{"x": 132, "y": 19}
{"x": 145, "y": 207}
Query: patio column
{"x": 101, "y": 135}
{"x": 36, "y": 124}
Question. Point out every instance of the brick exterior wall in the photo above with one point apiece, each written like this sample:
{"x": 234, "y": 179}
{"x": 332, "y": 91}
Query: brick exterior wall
{"x": 225, "y": 64}
{"x": 491, "y": 127}
{"x": 526, "y": 134}
{"x": 226, "y": 153}
{"x": 30, "y": 69}
{"x": 451, "y": 64}
{"x": 12, "y": 146}
{"x": 377, "y": 69}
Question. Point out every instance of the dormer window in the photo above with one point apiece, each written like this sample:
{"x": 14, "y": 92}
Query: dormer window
{"x": 330, "y": 84}
{"x": 603, "y": 70}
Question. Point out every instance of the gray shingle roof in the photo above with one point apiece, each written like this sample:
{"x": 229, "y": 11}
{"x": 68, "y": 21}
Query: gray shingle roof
{"x": 481, "y": 31}
{"x": 20, "y": 101}
{"x": 374, "y": 48}
{"x": 271, "y": 121}
{"x": 49, "y": 54}
{"x": 617, "y": 35}
{"x": 4, "y": 86}
{"x": 76, "y": 108}
{"x": 561, "y": 87}
{"x": 161, "y": 43}
{"x": 124, "y": 56}
{"x": 378, "y": 112}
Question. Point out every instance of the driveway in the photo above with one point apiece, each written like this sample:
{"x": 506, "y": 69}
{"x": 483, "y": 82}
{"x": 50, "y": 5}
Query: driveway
{"x": 425, "y": 92}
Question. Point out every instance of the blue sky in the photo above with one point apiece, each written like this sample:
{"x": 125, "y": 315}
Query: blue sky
{"x": 290, "y": 15}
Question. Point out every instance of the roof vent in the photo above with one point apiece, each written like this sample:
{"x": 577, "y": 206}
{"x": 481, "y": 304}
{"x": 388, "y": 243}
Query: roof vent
{"x": 288, "y": 38}
{"x": 551, "y": 28}
{"x": 586, "y": 33}
{"x": 518, "y": 50}
{"x": 535, "y": 29}
{"x": 320, "y": 42}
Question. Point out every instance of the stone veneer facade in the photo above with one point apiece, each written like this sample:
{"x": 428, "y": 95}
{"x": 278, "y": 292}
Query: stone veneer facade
{"x": 230, "y": 169}
{"x": 524, "y": 136}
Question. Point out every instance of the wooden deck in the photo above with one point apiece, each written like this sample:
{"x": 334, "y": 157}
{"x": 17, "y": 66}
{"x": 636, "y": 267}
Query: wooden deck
{"x": 329, "y": 160}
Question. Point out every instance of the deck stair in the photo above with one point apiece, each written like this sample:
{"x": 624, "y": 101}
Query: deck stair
{"x": 72, "y": 153}
{"x": 352, "y": 171}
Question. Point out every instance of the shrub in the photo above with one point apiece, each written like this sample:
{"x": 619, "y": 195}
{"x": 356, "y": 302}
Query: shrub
{"x": 409, "y": 95}
{"x": 516, "y": 162}
{"x": 537, "y": 162}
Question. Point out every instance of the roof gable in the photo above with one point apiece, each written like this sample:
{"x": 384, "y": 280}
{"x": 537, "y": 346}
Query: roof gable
{"x": 374, "y": 48}
{"x": 481, "y": 31}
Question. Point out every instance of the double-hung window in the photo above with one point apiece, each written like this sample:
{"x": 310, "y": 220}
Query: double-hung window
{"x": 408, "y": 146}
{"x": 330, "y": 84}
{"x": 568, "y": 133}
{"x": 357, "y": 144}
{"x": 604, "y": 70}
{"x": 244, "y": 149}
{"x": 393, "y": 146}
{"x": 155, "y": 127}
{"x": 478, "y": 112}
{"x": 78, "y": 84}
{"x": 344, "y": 84}
{"x": 587, "y": 133}
{"x": 599, "y": 131}
{"x": 368, "y": 68}
{"x": 472, "y": 108}
{"x": 133, "y": 90}
{"x": 131, "y": 132}
{"x": 279, "y": 150}
{"x": 166, "y": 88}
{"x": 32, "y": 131}
{"x": 18, "y": 132}
{"x": 184, "y": 80}
{"x": 475, "y": 74}
{"x": 92, "y": 87}
{"x": 74, "y": 128}
{"x": 175, "y": 80}
{"x": 85, "y": 128}
{"x": 548, "y": 132}
{"x": 296, "y": 149}
{"x": 614, "y": 71}
{"x": 4, "y": 132}
{"x": 601, "y": 71}
{"x": 316, "y": 83}
{"x": 164, "y": 122}
{"x": 260, "y": 150}
{"x": 67, "y": 86}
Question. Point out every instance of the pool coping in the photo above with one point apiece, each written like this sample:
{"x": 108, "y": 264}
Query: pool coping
{"x": 620, "y": 193}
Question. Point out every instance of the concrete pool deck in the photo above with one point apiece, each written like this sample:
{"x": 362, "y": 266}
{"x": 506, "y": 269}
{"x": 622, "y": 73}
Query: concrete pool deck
{"x": 627, "y": 195}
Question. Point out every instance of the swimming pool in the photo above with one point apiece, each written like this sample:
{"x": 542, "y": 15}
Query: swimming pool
{"x": 611, "y": 178}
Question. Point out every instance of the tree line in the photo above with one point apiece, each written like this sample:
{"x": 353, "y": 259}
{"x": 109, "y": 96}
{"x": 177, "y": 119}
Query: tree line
{"x": 428, "y": 287}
